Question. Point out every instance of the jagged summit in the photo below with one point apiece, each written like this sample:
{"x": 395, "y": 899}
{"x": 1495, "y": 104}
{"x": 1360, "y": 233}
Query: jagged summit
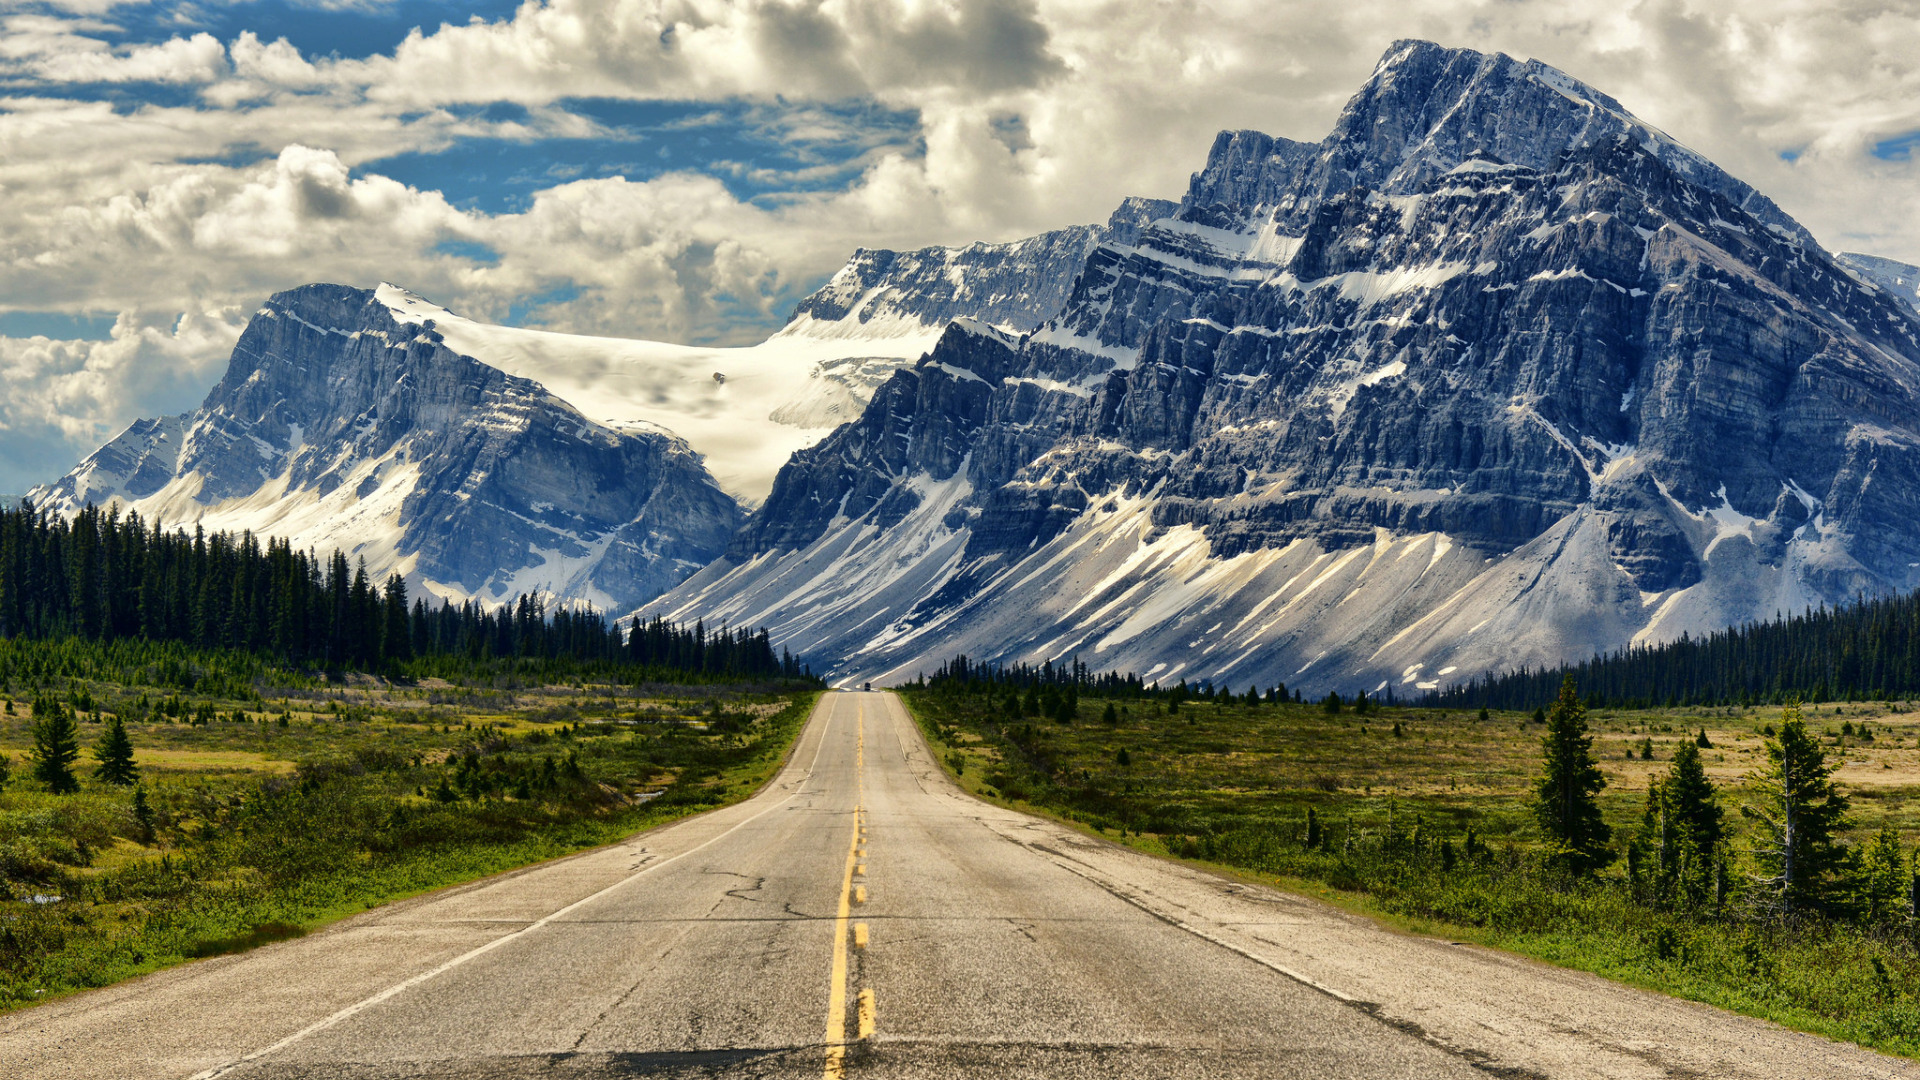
{"x": 1428, "y": 108}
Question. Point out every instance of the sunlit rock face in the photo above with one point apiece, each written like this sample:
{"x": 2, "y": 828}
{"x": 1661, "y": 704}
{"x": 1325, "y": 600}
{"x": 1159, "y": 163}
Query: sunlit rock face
{"x": 1495, "y": 374}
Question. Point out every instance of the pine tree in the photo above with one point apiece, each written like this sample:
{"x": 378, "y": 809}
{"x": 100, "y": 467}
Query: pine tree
{"x": 1693, "y": 802}
{"x": 1799, "y": 812}
{"x": 1881, "y": 885}
{"x": 396, "y": 638}
{"x": 115, "y": 754}
{"x": 1314, "y": 836}
{"x": 1681, "y": 829}
{"x": 143, "y": 815}
{"x": 55, "y": 746}
{"x": 1564, "y": 799}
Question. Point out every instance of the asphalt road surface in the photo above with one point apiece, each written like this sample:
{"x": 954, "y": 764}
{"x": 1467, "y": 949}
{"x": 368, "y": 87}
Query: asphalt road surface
{"x": 862, "y": 917}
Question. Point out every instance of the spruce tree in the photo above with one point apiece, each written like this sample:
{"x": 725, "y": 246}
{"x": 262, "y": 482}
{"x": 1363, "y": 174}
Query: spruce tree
{"x": 1564, "y": 799}
{"x": 396, "y": 636}
{"x": 1881, "y": 886}
{"x": 1799, "y": 810}
{"x": 143, "y": 815}
{"x": 1692, "y": 801}
{"x": 115, "y": 754}
{"x": 55, "y": 746}
{"x": 1682, "y": 829}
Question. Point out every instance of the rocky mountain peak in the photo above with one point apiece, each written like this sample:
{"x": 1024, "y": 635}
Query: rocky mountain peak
{"x": 1428, "y": 108}
{"x": 338, "y": 424}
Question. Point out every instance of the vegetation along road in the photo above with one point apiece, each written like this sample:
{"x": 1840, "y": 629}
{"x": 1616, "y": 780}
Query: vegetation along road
{"x": 863, "y": 916}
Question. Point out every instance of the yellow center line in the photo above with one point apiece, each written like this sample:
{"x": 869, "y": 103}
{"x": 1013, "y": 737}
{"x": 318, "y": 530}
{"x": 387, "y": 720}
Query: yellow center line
{"x": 837, "y": 990}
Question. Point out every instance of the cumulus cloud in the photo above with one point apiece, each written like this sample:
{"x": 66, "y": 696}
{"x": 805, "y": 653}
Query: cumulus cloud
{"x": 1025, "y": 115}
{"x": 64, "y": 398}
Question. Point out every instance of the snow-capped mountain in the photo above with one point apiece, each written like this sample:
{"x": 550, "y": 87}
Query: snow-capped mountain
{"x": 340, "y": 424}
{"x": 1898, "y": 278}
{"x": 1494, "y": 374}
{"x": 483, "y": 461}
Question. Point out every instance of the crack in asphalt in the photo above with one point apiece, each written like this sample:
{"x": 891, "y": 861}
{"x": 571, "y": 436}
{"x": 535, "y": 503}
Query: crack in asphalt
{"x": 759, "y": 883}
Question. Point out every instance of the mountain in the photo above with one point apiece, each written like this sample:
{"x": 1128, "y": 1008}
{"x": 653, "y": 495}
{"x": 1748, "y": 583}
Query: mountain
{"x": 1494, "y": 374}
{"x": 340, "y": 423}
{"x": 483, "y": 461}
{"x": 1014, "y": 286}
{"x": 1898, "y": 278}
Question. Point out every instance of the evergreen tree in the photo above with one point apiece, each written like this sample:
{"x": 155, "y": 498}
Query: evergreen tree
{"x": 55, "y": 746}
{"x": 114, "y": 751}
{"x": 1314, "y": 836}
{"x": 143, "y": 815}
{"x": 1332, "y": 704}
{"x": 1882, "y": 881}
{"x": 1694, "y": 804}
{"x": 1681, "y": 831}
{"x": 1564, "y": 799}
{"x": 396, "y": 638}
{"x": 1799, "y": 810}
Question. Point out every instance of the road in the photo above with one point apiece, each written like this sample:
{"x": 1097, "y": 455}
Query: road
{"x": 862, "y": 917}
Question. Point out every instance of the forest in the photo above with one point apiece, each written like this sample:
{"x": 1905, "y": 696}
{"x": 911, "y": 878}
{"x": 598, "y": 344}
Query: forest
{"x": 1865, "y": 651}
{"x": 105, "y": 577}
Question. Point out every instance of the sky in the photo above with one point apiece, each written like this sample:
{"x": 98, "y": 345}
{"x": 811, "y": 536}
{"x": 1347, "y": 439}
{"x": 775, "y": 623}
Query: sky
{"x": 686, "y": 170}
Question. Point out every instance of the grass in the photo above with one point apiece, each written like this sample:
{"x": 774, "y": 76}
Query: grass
{"x": 1230, "y": 787}
{"x": 301, "y": 805}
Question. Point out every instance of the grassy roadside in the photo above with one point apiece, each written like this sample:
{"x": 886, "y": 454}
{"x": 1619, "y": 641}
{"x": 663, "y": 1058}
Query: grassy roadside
{"x": 1227, "y": 788}
{"x": 277, "y": 816}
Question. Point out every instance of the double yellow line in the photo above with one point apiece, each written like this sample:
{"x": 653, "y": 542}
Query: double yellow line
{"x": 850, "y": 894}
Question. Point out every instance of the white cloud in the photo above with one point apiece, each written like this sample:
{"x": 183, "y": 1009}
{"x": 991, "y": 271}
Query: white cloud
{"x": 1031, "y": 115}
{"x": 66, "y": 397}
{"x": 59, "y": 51}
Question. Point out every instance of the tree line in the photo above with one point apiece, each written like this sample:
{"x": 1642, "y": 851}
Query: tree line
{"x": 1868, "y": 650}
{"x": 104, "y": 577}
{"x": 963, "y": 674}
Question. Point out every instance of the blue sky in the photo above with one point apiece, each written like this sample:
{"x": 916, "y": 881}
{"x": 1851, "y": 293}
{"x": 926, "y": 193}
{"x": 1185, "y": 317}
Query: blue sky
{"x": 688, "y": 169}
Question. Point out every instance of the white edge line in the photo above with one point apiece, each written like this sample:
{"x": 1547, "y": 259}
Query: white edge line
{"x": 398, "y": 988}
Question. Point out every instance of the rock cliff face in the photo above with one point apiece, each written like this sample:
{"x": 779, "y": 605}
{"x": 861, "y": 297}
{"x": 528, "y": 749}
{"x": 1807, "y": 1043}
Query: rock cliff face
{"x": 1494, "y": 374}
{"x": 338, "y": 425}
